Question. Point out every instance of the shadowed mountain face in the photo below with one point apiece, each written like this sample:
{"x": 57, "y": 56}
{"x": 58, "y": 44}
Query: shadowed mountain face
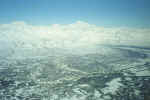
{"x": 103, "y": 72}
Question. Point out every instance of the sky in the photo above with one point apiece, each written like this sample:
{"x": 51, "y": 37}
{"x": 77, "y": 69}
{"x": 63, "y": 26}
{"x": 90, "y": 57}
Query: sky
{"x": 73, "y": 23}
{"x": 124, "y": 13}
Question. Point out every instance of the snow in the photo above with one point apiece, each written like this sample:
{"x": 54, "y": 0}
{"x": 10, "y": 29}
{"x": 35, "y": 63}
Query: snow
{"x": 113, "y": 86}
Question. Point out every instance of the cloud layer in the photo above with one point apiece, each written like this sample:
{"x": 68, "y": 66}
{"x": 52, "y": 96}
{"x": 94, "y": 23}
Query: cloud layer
{"x": 79, "y": 34}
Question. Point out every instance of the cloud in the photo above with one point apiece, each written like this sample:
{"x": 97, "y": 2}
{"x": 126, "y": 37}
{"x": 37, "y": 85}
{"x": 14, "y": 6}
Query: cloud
{"x": 79, "y": 34}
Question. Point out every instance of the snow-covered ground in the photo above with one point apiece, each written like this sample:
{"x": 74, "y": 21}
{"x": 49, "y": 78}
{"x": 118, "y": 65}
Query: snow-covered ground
{"x": 103, "y": 73}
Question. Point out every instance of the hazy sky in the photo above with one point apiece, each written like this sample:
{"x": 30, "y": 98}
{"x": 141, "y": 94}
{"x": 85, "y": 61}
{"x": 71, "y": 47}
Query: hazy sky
{"x": 134, "y": 13}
